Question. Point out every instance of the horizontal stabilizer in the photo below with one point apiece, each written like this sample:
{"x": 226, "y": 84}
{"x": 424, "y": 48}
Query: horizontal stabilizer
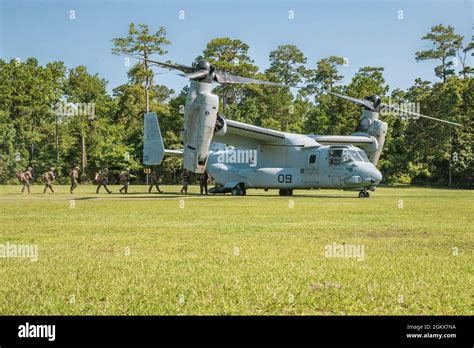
{"x": 174, "y": 152}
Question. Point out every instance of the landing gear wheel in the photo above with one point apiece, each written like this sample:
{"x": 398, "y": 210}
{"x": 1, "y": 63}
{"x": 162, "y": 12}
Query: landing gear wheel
{"x": 363, "y": 194}
{"x": 236, "y": 192}
{"x": 239, "y": 190}
{"x": 367, "y": 194}
{"x": 286, "y": 192}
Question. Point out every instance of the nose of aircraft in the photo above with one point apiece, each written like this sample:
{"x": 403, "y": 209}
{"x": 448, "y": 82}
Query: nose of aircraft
{"x": 370, "y": 174}
{"x": 376, "y": 176}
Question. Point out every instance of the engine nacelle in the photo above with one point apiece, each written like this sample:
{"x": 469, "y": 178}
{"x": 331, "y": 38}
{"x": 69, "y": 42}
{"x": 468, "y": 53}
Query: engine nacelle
{"x": 200, "y": 114}
{"x": 370, "y": 124}
{"x": 378, "y": 129}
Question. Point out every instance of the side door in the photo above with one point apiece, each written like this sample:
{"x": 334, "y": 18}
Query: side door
{"x": 335, "y": 167}
{"x": 311, "y": 169}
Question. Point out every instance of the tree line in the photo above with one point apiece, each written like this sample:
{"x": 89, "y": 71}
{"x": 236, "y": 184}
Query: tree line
{"x": 55, "y": 116}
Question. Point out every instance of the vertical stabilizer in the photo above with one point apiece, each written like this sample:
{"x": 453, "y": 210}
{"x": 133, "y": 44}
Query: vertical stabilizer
{"x": 153, "y": 149}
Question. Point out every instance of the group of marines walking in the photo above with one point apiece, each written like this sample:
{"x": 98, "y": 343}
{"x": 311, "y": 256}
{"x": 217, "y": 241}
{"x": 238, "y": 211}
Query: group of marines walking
{"x": 102, "y": 179}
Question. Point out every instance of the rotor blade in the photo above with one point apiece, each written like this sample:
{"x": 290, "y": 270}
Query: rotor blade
{"x": 223, "y": 77}
{"x": 360, "y": 102}
{"x": 183, "y": 68}
{"x": 195, "y": 75}
{"x": 419, "y": 115}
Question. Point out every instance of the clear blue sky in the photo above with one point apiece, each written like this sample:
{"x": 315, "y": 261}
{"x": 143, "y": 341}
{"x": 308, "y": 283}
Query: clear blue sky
{"x": 366, "y": 32}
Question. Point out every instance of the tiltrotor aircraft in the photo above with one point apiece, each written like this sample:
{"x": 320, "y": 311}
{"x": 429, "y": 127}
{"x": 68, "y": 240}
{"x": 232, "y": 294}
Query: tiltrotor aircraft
{"x": 256, "y": 157}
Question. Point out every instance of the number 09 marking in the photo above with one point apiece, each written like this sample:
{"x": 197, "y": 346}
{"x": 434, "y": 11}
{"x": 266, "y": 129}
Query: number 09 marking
{"x": 284, "y": 178}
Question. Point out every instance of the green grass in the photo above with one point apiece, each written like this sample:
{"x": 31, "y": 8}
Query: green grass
{"x": 238, "y": 255}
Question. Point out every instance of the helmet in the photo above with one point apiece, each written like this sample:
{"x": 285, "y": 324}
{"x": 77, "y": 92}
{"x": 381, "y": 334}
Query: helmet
{"x": 29, "y": 168}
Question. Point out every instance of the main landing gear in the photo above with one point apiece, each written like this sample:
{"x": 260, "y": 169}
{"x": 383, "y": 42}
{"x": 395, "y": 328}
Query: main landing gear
{"x": 364, "y": 194}
{"x": 239, "y": 190}
{"x": 286, "y": 192}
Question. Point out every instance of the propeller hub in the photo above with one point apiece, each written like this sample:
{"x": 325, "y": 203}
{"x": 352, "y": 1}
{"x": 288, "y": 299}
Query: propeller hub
{"x": 203, "y": 65}
{"x": 376, "y": 101}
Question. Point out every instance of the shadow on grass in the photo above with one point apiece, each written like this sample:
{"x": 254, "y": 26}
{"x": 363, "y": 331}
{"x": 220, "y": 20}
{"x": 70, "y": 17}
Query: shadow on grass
{"x": 172, "y": 195}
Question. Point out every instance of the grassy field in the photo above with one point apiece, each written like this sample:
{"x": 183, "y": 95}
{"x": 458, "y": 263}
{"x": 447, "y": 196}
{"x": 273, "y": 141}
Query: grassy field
{"x": 259, "y": 254}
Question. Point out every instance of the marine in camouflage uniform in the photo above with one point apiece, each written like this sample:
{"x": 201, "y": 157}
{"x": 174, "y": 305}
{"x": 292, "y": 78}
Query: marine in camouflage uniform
{"x": 102, "y": 179}
{"x": 73, "y": 176}
{"x": 48, "y": 178}
{"x": 203, "y": 180}
{"x": 185, "y": 181}
{"x": 124, "y": 179}
{"x": 154, "y": 181}
{"x": 24, "y": 178}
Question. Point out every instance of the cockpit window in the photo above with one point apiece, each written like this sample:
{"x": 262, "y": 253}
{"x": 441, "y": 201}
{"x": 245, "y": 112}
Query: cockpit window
{"x": 344, "y": 156}
{"x": 351, "y": 156}
{"x": 363, "y": 156}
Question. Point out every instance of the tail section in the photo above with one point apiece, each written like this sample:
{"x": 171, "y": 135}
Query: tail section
{"x": 153, "y": 148}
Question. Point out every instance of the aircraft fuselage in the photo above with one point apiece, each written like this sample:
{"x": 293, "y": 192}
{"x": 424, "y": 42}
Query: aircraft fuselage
{"x": 300, "y": 164}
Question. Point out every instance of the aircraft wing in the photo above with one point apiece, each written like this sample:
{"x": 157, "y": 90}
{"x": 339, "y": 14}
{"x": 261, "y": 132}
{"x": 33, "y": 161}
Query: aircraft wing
{"x": 249, "y": 136}
{"x": 366, "y": 142}
{"x": 357, "y": 140}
